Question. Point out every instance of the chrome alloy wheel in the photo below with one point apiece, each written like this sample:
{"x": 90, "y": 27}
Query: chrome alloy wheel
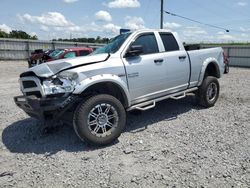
{"x": 102, "y": 120}
{"x": 212, "y": 91}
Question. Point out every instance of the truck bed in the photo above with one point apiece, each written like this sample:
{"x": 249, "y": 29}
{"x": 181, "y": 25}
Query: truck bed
{"x": 197, "y": 57}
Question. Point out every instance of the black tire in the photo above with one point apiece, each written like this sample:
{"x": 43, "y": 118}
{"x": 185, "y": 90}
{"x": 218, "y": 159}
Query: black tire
{"x": 208, "y": 92}
{"x": 226, "y": 69}
{"x": 91, "y": 119}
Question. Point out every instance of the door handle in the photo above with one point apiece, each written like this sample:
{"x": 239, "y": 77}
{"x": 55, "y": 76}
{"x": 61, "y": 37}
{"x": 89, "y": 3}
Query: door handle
{"x": 158, "y": 60}
{"x": 182, "y": 57}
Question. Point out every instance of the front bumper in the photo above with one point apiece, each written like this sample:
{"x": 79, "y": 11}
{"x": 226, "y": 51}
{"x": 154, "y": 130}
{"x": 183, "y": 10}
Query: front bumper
{"x": 45, "y": 108}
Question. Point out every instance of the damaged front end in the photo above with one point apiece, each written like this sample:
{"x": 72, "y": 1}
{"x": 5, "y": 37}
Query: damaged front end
{"x": 47, "y": 99}
{"x": 48, "y": 88}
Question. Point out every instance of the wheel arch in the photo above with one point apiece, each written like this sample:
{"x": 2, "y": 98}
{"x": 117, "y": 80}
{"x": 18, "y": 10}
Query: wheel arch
{"x": 210, "y": 68}
{"x": 105, "y": 84}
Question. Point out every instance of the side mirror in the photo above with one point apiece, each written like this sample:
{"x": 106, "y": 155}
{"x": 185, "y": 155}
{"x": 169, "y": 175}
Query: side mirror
{"x": 134, "y": 50}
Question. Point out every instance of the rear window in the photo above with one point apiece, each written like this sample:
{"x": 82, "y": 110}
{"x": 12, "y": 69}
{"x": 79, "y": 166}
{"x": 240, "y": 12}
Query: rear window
{"x": 169, "y": 42}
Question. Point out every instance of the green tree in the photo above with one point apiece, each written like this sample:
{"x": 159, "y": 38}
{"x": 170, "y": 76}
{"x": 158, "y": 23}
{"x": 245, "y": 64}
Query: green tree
{"x": 3, "y": 34}
{"x": 34, "y": 37}
{"x": 91, "y": 40}
{"x": 105, "y": 40}
{"x": 19, "y": 34}
{"x": 98, "y": 39}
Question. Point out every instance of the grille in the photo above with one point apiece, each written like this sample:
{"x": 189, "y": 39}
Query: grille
{"x": 36, "y": 93}
{"x": 29, "y": 84}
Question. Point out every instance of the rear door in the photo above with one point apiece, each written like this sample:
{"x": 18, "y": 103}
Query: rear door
{"x": 176, "y": 63}
{"x": 146, "y": 73}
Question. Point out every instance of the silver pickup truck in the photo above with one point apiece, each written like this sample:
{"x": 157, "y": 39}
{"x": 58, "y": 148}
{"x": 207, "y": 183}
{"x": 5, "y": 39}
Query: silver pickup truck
{"x": 133, "y": 72}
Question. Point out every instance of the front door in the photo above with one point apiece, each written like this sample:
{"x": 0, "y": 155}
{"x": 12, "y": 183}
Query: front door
{"x": 146, "y": 73}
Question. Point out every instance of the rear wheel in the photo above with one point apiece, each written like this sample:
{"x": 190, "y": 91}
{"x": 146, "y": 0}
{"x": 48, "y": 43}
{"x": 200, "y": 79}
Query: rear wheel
{"x": 208, "y": 92}
{"x": 100, "y": 119}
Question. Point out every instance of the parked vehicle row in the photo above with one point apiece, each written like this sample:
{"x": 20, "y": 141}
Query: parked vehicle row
{"x": 40, "y": 56}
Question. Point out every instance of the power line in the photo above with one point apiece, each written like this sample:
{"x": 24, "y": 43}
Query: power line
{"x": 192, "y": 20}
{"x": 224, "y": 5}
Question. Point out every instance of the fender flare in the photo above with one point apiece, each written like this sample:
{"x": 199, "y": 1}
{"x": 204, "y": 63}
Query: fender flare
{"x": 204, "y": 68}
{"x": 90, "y": 81}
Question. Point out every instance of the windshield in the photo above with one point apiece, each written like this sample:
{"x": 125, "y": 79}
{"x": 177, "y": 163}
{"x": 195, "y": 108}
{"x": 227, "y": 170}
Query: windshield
{"x": 55, "y": 54}
{"x": 113, "y": 46}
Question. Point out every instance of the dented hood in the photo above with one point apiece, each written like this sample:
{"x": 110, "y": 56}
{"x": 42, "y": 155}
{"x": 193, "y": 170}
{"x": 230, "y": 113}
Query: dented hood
{"x": 51, "y": 68}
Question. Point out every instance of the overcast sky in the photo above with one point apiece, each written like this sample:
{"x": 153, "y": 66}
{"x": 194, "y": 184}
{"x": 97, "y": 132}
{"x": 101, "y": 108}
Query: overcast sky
{"x": 50, "y": 19}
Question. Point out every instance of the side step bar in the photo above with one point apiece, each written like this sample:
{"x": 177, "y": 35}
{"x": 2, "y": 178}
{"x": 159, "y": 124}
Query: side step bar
{"x": 178, "y": 97}
{"x": 146, "y": 107}
{"x": 151, "y": 104}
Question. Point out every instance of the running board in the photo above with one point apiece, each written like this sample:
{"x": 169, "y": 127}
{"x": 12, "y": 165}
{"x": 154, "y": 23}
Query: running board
{"x": 151, "y": 104}
{"x": 179, "y": 97}
{"x": 146, "y": 107}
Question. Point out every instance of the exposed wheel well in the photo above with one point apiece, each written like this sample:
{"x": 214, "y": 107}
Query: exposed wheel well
{"x": 109, "y": 88}
{"x": 212, "y": 70}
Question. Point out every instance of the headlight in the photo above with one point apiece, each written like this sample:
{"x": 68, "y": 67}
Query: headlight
{"x": 62, "y": 83}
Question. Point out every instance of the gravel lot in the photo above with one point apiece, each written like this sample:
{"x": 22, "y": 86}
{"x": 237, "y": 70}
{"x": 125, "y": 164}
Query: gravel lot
{"x": 177, "y": 144}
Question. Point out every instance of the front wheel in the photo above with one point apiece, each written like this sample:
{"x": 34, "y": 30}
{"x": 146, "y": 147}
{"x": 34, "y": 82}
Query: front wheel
{"x": 208, "y": 92}
{"x": 100, "y": 119}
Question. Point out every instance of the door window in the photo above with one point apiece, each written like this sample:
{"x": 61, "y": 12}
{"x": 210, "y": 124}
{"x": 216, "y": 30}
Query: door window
{"x": 148, "y": 43}
{"x": 70, "y": 55}
{"x": 169, "y": 42}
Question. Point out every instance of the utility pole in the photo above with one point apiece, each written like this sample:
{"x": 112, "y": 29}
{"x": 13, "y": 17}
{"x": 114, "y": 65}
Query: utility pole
{"x": 162, "y": 1}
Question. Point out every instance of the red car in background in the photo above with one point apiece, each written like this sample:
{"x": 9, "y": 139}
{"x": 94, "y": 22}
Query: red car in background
{"x": 52, "y": 55}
